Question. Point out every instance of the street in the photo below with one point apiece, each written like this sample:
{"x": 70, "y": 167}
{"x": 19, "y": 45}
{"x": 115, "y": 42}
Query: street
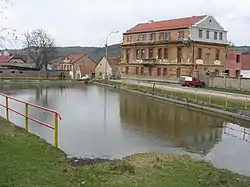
{"x": 178, "y": 88}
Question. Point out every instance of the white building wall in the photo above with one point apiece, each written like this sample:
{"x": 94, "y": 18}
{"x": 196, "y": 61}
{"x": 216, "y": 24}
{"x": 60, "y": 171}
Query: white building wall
{"x": 100, "y": 68}
{"x": 245, "y": 73}
{"x": 211, "y": 25}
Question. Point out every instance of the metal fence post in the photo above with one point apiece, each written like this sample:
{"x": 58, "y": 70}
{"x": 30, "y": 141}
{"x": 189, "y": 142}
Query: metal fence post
{"x": 56, "y": 130}
{"x": 226, "y": 105}
{"x": 209, "y": 98}
{"x": 7, "y": 108}
{"x": 246, "y": 104}
{"x": 26, "y": 117}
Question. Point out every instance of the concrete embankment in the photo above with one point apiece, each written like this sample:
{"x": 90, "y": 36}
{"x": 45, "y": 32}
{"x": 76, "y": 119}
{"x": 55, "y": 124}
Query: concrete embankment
{"x": 239, "y": 114}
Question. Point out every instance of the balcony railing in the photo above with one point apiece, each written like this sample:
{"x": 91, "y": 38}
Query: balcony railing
{"x": 149, "y": 61}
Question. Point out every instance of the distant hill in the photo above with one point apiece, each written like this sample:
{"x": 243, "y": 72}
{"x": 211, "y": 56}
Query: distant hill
{"x": 241, "y": 48}
{"x": 96, "y": 53}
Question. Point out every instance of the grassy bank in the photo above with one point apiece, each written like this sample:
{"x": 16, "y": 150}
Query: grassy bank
{"x": 27, "y": 161}
{"x": 229, "y": 90}
{"x": 218, "y": 102}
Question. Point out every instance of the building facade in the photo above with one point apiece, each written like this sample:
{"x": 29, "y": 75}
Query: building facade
{"x": 238, "y": 64}
{"x": 190, "y": 46}
{"x": 112, "y": 67}
{"x": 78, "y": 65}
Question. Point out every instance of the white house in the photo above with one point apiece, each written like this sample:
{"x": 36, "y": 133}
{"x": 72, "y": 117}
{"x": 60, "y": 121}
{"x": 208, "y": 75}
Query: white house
{"x": 112, "y": 67}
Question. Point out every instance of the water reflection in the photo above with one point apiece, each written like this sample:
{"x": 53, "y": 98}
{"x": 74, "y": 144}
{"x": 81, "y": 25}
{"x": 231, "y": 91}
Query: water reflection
{"x": 194, "y": 131}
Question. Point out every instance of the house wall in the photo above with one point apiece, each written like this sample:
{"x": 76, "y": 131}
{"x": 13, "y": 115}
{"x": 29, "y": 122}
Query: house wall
{"x": 100, "y": 68}
{"x": 207, "y": 62}
{"x": 83, "y": 61}
{"x": 211, "y": 25}
{"x": 245, "y": 60}
{"x": 232, "y": 64}
{"x": 245, "y": 73}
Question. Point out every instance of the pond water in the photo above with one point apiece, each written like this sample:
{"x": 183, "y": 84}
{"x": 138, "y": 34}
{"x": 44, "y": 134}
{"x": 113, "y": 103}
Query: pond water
{"x": 101, "y": 122}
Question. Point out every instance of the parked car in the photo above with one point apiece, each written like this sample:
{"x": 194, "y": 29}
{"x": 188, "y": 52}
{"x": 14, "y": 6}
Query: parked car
{"x": 85, "y": 77}
{"x": 191, "y": 82}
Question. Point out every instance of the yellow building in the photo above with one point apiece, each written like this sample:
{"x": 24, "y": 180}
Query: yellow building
{"x": 191, "y": 46}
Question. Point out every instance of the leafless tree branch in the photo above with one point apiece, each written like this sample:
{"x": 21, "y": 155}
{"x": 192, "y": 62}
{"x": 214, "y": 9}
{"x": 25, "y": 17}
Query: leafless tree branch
{"x": 40, "y": 47}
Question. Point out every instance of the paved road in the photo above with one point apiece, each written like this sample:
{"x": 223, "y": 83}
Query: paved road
{"x": 176, "y": 87}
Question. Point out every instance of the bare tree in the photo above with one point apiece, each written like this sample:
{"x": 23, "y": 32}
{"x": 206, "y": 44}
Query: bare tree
{"x": 40, "y": 47}
{"x": 7, "y": 35}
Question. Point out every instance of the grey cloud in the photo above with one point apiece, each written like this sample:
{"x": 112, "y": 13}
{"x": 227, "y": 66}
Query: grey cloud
{"x": 87, "y": 22}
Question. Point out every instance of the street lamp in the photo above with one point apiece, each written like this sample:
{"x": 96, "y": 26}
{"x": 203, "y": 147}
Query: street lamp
{"x": 106, "y": 56}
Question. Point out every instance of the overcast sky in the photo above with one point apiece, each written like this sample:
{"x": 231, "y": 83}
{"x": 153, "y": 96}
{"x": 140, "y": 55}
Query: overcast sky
{"x": 87, "y": 22}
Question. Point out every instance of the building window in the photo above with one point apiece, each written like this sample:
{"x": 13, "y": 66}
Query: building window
{"x": 137, "y": 54}
{"x": 138, "y": 37}
{"x": 142, "y": 53}
{"x": 142, "y": 71}
{"x": 237, "y": 58}
{"x": 217, "y": 54}
{"x": 199, "y": 53}
{"x": 165, "y": 71}
{"x": 128, "y": 55}
{"x": 221, "y": 35}
{"x": 217, "y": 72}
{"x": 137, "y": 70}
{"x": 130, "y": 38}
{"x": 179, "y": 55}
{"x": 227, "y": 72}
{"x": 127, "y": 38}
{"x": 150, "y": 53}
{"x": 150, "y": 71}
{"x": 160, "y": 53}
{"x": 127, "y": 69}
{"x": 207, "y": 34}
{"x": 167, "y": 35}
{"x": 215, "y": 35}
{"x": 237, "y": 73}
{"x": 181, "y": 35}
{"x": 158, "y": 71}
{"x": 152, "y": 36}
{"x": 165, "y": 56}
{"x": 161, "y": 35}
{"x": 143, "y": 37}
{"x": 200, "y": 33}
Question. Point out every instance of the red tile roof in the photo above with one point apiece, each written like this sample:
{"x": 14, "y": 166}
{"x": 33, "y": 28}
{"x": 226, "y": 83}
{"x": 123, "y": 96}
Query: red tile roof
{"x": 166, "y": 24}
{"x": 86, "y": 69}
{"x": 74, "y": 58}
{"x": 6, "y": 59}
{"x": 114, "y": 61}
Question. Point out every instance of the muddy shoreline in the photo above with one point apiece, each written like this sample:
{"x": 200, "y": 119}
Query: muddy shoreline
{"x": 80, "y": 162}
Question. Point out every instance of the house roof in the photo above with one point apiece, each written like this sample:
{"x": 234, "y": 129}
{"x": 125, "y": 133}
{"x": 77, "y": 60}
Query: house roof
{"x": 75, "y": 57}
{"x": 85, "y": 69}
{"x": 114, "y": 61}
{"x": 166, "y": 24}
{"x": 6, "y": 59}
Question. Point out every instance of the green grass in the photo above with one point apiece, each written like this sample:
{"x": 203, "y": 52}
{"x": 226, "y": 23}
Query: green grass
{"x": 212, "y": 101}
{"x": 230, "y": 90}
{"x": 28, "y": 161}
